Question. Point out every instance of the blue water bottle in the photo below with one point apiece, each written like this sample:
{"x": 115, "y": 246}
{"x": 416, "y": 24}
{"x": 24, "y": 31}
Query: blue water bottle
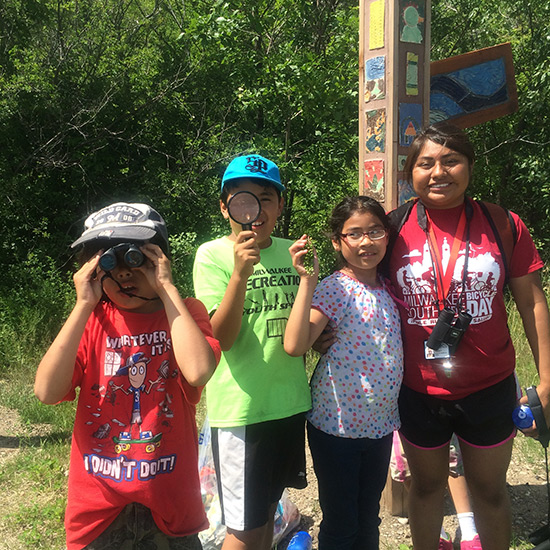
{"x": 300, "y": 541}
{"x": 523, "y": 417}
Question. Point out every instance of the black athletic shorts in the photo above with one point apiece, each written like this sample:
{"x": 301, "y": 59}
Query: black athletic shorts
{"x": 482, "y": 419}
{"x": 254, "y": 464}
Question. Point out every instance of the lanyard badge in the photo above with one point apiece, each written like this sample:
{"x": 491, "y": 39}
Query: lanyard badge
{"x": 451, "y": 325}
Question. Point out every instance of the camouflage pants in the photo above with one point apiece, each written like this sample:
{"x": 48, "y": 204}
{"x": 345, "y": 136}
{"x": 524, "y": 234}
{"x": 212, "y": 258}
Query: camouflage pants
{"x": 135, "y": 529}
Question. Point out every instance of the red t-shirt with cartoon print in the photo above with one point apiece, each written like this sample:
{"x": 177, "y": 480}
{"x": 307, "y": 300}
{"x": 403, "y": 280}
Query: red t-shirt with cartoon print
{"x": 135, "y": 436}
{"x": 485, "y": 355}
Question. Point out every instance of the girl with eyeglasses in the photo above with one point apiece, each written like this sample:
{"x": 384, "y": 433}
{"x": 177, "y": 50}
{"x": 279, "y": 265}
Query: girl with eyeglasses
{"x": 356, "y": 383}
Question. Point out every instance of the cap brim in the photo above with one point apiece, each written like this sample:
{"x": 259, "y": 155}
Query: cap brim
{"x": 133, "y": 233}
{"x": 275, "y": 183}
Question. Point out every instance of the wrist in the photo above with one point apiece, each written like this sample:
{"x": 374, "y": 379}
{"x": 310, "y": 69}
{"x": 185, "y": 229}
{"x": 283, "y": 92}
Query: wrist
{"x": 84, "y": 305}
{"x": 239, "y": 278}
{"x": 308, "y": 281}
{"x": 543, "y": 389}
{"x": 165, "y": 288}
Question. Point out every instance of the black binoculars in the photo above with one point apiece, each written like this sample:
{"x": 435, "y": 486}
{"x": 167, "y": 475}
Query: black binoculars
{"x": 131, "y": 254}
{"x": 449, "y": 329}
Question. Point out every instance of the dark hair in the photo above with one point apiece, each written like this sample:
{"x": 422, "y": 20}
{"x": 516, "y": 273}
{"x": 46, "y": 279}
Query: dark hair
{"x": 232, "y": 184}
{"x": 347, "y": 208}
{"x": 445, "y": 134}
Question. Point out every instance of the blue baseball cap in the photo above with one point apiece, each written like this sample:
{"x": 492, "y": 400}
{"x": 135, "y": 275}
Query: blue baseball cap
{"x": 253, "y": 167}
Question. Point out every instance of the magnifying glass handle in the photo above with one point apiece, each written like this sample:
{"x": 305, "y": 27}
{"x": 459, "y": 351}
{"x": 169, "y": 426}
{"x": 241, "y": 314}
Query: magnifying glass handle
{"x": 247, "y": 226}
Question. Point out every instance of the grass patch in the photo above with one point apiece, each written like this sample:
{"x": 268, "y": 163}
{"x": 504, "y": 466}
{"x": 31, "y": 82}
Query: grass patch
{"x": 33, "y": 488}
{"x": 34, "y": 458}
{"x": 532, "y": 452}
{"x": 39, "y": 475}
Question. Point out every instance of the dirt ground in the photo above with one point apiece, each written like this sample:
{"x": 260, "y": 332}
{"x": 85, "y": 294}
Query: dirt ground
{"x": 527, "y": 485}
{"x": 528, "y": 493}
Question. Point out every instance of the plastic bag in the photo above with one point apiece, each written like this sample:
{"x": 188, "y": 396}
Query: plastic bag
{"x": 211, "y": 538}
{"x": 287, "y": 516}
{"x": 399, "y": 466}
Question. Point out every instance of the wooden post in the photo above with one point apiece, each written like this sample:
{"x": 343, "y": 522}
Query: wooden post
{"x": 394, "y": 498}
{"x": 394, "y": 46}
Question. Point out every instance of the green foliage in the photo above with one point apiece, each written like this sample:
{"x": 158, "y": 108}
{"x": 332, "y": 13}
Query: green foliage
{"x": 514, "y": 151}
{"x": 37, "y": 524}
{"x": 148, "y": 101}
{"x": 31, "y": 312}
{"x": 183, "y": 247}
{"x": 526, "y": 371}
{"x": 143, "y": 100}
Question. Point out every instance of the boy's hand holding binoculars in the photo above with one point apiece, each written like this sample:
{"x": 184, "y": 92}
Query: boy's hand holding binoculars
{"x": 87, "y": 282}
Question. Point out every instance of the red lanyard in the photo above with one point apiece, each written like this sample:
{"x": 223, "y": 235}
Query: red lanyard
{"x": 444, "y": 278}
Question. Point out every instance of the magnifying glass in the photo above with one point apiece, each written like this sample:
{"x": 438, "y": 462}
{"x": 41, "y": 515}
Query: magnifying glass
{"x": 244, "y": 207}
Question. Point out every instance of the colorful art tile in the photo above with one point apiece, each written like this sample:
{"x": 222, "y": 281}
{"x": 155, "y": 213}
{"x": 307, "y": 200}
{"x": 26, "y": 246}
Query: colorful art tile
{"x": 375, "y": 78}
{"x": 374, "y": 178}
{"x": 410, "y": 122}
{"x": 375, "y": 131}
{"x": 401, "y": 160}
{"x": 405, "y": 192}
{"x": 376, "y": 25}
{"x": 474, "y": 87}
{"x": 412, "y": 21}
{"x": 468, "y": 90}
{"x": 412, "y": 74}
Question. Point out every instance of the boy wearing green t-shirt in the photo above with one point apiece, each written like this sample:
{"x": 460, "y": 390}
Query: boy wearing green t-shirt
{"x": 258, "y": 396}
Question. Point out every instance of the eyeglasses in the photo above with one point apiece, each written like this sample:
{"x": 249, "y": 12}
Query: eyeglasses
{"x": 355, "y": 237}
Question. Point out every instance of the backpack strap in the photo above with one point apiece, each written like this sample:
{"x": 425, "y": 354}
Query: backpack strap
{"x": 505, "y": 232}
{"x": 397, "y": 218}
{"x": 500, "y": 219}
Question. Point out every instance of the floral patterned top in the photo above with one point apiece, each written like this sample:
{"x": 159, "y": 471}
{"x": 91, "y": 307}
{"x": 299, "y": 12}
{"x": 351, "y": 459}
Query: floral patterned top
{"x": 356, "y": 383}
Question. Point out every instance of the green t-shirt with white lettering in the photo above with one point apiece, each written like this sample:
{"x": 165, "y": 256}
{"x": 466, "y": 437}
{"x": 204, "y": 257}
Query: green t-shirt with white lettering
{"x": 256, "y": 379}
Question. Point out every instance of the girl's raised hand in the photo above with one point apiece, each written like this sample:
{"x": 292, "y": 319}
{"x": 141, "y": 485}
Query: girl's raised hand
{"x": 304, "y": 257}
{"x": 87, "y": 281}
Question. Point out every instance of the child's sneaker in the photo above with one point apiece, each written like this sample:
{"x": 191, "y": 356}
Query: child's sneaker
{"x": 474, "y": 544}
{"x": 445, "y": 543}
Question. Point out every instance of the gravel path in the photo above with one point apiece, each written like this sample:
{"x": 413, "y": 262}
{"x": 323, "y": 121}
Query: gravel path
{"x": 527, "y": 486}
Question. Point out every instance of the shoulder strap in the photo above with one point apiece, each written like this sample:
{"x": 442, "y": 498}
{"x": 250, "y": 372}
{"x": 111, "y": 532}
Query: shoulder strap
{"x": 504, "y": 229}
{"x": 397, "y": 219}
{"x": 399, "y": 216}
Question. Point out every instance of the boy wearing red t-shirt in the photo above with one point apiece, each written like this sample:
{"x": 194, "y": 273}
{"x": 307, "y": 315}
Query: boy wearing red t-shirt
{"x": 140, "y": 355}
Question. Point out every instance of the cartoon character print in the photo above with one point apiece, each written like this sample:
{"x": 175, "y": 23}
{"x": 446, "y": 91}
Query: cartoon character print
{"x": 416, "y": 278}
{"x": 135, "y": 369}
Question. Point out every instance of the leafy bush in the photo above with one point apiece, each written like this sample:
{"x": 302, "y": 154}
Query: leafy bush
{"x": 34, "y": 301}
{"x": 183, "y": 247}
